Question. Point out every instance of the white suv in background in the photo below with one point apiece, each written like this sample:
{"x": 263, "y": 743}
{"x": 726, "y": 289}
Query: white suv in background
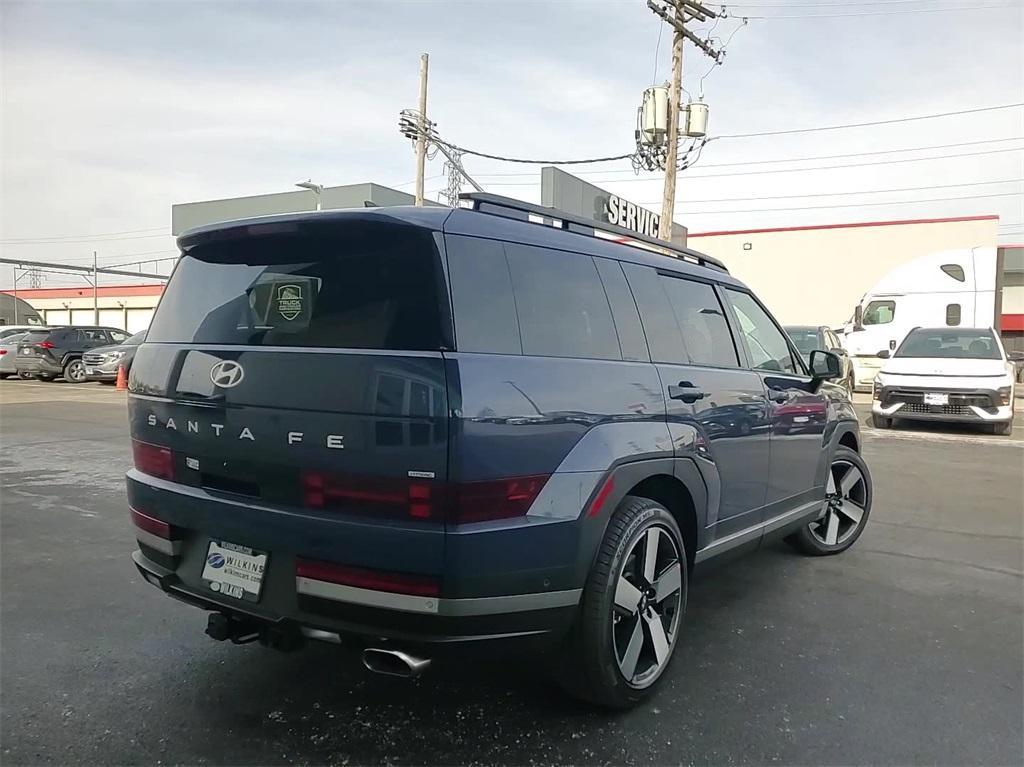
{"x": 947, "y": 374}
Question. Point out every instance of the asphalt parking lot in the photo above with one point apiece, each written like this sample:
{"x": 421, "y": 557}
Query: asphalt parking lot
{"x": 908, "y": 649}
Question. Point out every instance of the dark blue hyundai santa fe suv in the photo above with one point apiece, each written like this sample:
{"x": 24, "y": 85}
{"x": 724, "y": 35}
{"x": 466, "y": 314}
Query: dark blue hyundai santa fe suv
{"x": 423, "y": 430}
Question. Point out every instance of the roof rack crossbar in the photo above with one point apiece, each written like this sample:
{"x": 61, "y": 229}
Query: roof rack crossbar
{"x": 508, "y": 207}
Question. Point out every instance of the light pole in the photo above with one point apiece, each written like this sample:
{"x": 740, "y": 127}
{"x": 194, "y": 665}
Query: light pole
{"x": 316, "y": 189}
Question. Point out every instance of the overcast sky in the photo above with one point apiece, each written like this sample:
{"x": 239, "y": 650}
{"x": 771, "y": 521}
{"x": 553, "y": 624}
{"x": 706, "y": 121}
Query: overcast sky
{"x": 112, "y": 112}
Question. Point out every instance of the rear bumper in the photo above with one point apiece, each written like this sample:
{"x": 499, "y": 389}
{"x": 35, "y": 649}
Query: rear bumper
{"x": 521, "y": 598}
{"x": 36, "y": 366}
{"x": 331, "y": 619}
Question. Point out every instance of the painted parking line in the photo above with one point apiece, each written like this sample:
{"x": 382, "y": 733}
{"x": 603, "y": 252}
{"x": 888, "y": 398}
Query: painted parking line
{"x": 872, "y": 433}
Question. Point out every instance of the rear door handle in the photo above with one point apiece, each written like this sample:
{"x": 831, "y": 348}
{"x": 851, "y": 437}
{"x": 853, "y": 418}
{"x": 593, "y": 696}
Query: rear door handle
{"x": 686, "y": 392}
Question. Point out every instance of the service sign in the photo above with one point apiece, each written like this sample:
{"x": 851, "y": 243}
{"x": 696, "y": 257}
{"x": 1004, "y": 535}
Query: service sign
{"x": 631, "y": 216}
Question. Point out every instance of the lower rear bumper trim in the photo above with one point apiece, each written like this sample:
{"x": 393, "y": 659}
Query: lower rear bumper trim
{"x": 438, "y": 606}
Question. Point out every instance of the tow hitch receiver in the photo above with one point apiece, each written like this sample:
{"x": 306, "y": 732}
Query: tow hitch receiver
{"x": 220, "y": 627}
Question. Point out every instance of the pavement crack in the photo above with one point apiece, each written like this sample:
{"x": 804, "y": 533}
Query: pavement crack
{"x": 999, "y": 570}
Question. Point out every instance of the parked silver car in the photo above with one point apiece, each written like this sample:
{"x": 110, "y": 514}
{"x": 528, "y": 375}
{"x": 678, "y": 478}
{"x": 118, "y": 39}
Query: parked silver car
{"x": 8, "y": 351}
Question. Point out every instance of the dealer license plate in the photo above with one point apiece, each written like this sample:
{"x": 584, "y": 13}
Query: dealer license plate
{"x": 90, "y": 371}
{"x": 931, "y": 398}
{"x": 234, "y": 571}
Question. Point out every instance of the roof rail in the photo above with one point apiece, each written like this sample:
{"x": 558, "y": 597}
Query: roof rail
{"x": 508, "y": 207}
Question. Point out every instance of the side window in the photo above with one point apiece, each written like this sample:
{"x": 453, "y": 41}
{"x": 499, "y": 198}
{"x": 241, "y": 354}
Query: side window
{"x": 879, "y": 313}
{"x": 118, "y": 336}
{"x": 94, "y": 335}
{"x": 955, "y": 271}
{"x": 660, "y": 326}
{"x": 701, "y": 322}
{"x": 624, "y": 311}
{"x": 562, "y": 307}
{"x": 833, "y": 340}
{"x": 482, "y": 301}
{"x": 952, "y": 314}
{"x": 766, "y": 344}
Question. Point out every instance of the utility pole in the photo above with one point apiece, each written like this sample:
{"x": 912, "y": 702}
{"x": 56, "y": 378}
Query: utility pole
{"x": 668, "y": 199}
{"x": 421, "y": 138}
{"x": 676, "y": 13}
{"x": 95, "y": 291}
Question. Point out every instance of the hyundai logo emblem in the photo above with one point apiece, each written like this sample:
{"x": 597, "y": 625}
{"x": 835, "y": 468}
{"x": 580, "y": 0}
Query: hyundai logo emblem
{"x": 227, "y": 373}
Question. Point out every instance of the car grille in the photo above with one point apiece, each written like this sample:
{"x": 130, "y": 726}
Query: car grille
{"x": 94, "y": 359}
{"x": 961, "y": 400}
{"x": 914, "y": 407}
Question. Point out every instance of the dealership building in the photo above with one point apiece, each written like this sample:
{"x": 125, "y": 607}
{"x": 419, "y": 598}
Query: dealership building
{"x": 808, "y": 275}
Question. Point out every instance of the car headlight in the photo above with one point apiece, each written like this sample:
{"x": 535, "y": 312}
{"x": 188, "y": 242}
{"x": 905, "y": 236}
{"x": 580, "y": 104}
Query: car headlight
{"x": 876, "y": 389}
{"x": 1005, "y": 394}
{"x": 112, "y": 356}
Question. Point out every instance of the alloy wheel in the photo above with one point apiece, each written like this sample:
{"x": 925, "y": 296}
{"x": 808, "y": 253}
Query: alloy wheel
{"x": 845, "y": 500}
{"x": 75, "y": 371}
{"x": 648, "y": 598}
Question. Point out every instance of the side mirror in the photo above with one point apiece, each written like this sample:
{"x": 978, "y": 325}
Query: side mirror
{"x": 858, "y": 317}
{"x": 1015, "y": 356}
{"x": 825, "y": 366}
{"x": 883, "y": 355}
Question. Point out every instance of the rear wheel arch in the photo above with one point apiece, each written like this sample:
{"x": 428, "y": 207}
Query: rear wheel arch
{"x": 849, "y": 439}
{"x": 675, "y": 496}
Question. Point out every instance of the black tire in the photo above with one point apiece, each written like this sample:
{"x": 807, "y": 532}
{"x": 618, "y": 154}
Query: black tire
{"x": 74, "y": 372}
{"x": 589, "y": 666}
{"x": 810, "y": 539}
{"x": 881, "y": 422}
{"x": 25, "y": 376}
{"x": 4, "y": 376}
{"x": 1005, "y": 429}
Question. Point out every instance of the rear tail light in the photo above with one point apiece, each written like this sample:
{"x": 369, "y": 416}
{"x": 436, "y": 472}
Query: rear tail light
{"x": 153, "y": 460}
{"x": 45, "y": 345}
{"x": 423, "y": 499}
{"x": 3, "y": 352}
{"x": 394, "y": 496}
{"x": 157, "y": 527}
{"x": 496, "y": 499}
{"x": 376, "y": 580}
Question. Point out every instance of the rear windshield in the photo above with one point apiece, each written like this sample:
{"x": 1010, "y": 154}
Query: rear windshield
{"x": 360, "y": 287}
{"x": 956, "y": 344}
{"x": 35, "y": 336}
{"x": 805, "y": 340}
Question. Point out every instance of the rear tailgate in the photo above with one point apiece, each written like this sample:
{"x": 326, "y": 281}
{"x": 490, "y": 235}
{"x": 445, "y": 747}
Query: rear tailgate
{"x": 297, "y": 379}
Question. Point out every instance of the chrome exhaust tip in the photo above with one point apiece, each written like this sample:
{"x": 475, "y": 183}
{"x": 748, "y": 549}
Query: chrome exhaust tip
{"x": 394, "y": 662}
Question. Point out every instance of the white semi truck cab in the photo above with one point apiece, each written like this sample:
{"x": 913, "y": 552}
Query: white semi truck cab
{"x": 951, "y": 287}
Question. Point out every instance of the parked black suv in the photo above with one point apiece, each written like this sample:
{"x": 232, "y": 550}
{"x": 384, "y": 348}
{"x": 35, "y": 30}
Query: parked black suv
{"x": 425, "y": 430}
{"x": 56, "y": 352}
{"x": 808, "y": 338}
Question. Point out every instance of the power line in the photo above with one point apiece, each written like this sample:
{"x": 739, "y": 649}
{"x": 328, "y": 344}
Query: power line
{"x": 877, "y": 13}
{"x": 841, "y": 3}
{"x": 864, "y": 191}
{"x": 746, "y": 163}
{"x": 78, "y": 236}
{"x": 868, "y": 124}
{"x": 852, "y": 205}
{"x": 84, "y": 241}
{"x": 787, "y": 170}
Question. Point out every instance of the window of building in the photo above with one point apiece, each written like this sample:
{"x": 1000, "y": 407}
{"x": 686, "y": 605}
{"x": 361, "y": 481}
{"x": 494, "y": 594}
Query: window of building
{"x": 952, "y": 314}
